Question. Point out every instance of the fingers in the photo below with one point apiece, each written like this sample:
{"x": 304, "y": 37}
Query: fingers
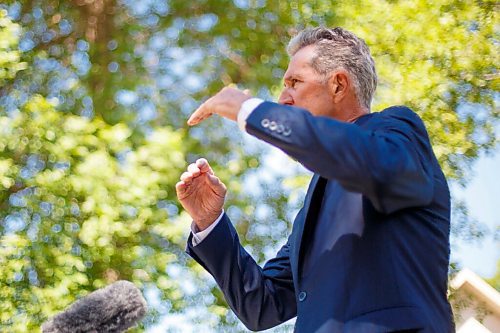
{"x": 193, "y": 169}
{"x": 226, "y": 103}
{"x": 181, "y": 188}
{"x": 186, "y": 177}
{"x": 201, "y": 171}
{"x": 199, "y": 115}
{"x": 203, "y": 166}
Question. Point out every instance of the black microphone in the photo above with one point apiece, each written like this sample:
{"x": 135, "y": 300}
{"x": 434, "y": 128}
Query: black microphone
{"x": 113, "y": 309}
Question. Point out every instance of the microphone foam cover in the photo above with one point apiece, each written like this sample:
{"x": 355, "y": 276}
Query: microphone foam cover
{"x": 112, "y": 309}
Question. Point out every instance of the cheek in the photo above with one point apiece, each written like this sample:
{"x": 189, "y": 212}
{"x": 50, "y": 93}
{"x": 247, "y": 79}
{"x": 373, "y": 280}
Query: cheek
{"x": 322, "y": 96}
{"x": 312, "y": 96}
{"x": 309, "y": 97}
{"x": 305, "y": 94}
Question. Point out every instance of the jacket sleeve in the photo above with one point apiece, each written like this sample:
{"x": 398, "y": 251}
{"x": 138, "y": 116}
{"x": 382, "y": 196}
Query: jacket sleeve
{"x": 260, "y": 297}
{"x": 388, "y": 158}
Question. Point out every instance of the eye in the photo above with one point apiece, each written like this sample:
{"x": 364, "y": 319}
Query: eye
{"x": 291, "y": 83}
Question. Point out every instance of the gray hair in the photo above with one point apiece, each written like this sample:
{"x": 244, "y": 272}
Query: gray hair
{"x": 338, "y": 48}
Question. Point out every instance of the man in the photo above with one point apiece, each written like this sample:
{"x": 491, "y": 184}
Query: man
{"x": 369, "y": 250}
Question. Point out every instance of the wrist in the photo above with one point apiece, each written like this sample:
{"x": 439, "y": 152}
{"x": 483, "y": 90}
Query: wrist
{"x": 236, "y": 106}
{"x": 206, "y": 221}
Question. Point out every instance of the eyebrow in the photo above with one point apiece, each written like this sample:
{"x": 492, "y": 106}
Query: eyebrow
{"x": 293, "y": 76}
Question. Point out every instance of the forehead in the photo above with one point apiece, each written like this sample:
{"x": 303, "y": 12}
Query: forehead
{"x": 300, "y": 63}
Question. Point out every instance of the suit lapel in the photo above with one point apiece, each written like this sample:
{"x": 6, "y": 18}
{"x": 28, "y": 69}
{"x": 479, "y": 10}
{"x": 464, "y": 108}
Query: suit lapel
{"x": 301, "y": 225}
{"x": 300, "y": 228}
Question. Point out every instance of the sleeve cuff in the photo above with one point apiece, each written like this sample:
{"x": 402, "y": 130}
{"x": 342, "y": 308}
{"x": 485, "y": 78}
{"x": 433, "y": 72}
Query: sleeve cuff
{"x": 246, "y": 109}
{"x": 199, "y": 236}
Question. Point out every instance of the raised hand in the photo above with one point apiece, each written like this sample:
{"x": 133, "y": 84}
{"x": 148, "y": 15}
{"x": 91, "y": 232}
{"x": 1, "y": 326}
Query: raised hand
{"x": 226, "y": 103}
{"x": 201, "y": 193}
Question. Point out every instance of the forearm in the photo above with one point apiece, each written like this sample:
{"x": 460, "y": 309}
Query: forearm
{"x": 259, "y": 299}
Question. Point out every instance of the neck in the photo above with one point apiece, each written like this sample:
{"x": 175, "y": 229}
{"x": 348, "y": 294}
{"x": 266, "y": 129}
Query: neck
{"x": 360, "y": 113}
{"x": 349, "y": 113}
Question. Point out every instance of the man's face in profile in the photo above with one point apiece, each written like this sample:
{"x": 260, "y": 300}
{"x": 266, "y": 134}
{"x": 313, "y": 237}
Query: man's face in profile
{"x": 304, "y": 87}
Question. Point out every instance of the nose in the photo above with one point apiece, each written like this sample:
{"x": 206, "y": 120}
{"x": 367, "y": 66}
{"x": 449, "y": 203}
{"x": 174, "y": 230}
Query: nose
{"x": 285, "y": 97}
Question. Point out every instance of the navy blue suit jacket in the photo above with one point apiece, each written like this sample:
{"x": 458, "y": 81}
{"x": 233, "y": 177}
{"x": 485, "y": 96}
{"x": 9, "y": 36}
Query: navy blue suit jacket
{"x": 376, "y": 257}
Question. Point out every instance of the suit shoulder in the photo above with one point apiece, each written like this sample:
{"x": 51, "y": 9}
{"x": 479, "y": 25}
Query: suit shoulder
{"x": 403, "y": 115}
{"x": 401, "y": 112}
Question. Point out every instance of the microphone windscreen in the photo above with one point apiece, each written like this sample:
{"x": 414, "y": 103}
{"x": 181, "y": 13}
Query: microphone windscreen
{"x": 113, "y": 309}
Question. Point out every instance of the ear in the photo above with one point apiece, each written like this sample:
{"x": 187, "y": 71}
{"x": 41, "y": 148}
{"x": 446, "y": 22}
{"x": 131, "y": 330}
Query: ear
{"x": 339, "y": 85}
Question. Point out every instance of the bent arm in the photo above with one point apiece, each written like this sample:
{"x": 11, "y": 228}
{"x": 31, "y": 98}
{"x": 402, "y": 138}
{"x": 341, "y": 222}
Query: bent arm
{"x": 387, "y": 157}
{"x": 260, "y": 297}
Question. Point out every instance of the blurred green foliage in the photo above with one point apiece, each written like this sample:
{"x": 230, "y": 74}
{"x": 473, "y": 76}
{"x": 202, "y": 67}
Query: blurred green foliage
{"x": 93, "y": 101}
{"x": 494, "y": 281}
{"x": 9, "y": 54}
{"x": 75, "y": 215}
